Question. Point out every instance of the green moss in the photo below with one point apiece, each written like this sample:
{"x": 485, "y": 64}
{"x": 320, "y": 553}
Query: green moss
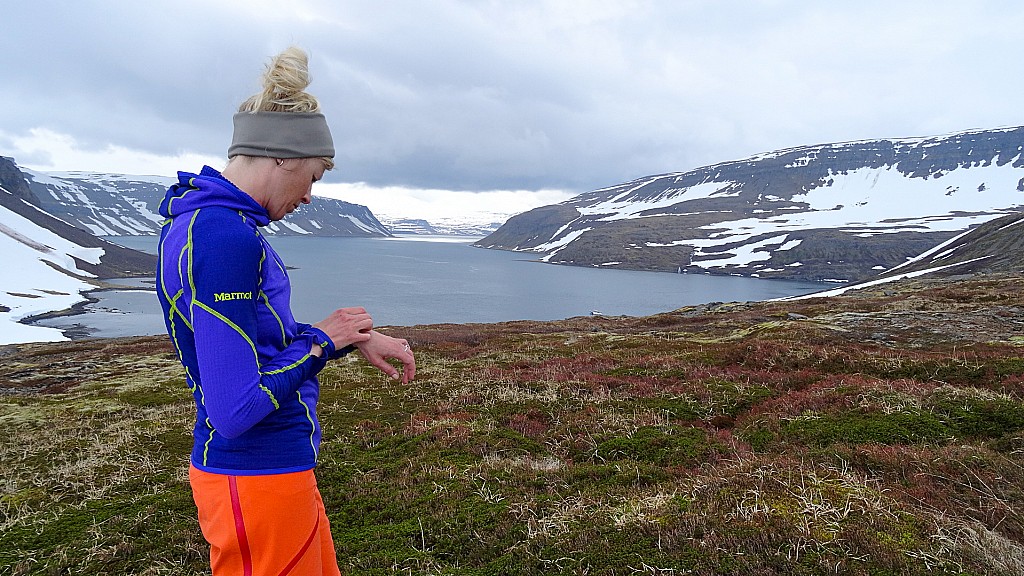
{"x": 865, "y": 428}
{"x": 504, "y": 441}
{"x": 903, "y": 534}
{"x": 974, "y": 417}
{"x": 682, "y": 503}
{"x": 952, "y": 371}
{"x": 733, "y": 399}
{"x": 175, "y": 442}
{"x": 127, "y": 533}
{"x": 680, "y": 409}
{"x": 758, "y": 438}
{"x": 628, "y": 547}
{"x": 669, "y": 446}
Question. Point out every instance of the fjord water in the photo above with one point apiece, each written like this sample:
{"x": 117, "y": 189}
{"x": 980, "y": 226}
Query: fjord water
{"x": 412, "y": 280}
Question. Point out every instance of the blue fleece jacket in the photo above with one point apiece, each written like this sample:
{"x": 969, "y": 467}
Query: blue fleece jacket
{"x": 226, "y": 300}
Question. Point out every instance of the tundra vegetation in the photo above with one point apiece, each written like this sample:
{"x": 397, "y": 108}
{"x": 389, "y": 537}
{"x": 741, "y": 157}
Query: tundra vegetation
{"x": 878, "y": 433}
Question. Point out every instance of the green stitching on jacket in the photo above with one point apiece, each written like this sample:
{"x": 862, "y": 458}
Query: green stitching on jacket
{"x": 206, "y": 446}
{"x": 191, "y": 279}
{"x": 312, "y": 431}
{"x": 266, "y": 299}
{"x": 196, "y": 302}
{"x": 291, "y": 366}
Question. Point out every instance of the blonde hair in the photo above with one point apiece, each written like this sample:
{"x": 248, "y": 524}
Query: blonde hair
{"x": 284, "y": 88}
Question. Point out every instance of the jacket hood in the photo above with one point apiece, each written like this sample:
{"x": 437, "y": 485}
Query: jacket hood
{"x": 208, "y": 189}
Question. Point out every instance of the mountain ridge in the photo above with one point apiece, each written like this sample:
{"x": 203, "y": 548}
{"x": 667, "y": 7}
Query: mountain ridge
{"x": 127, "y": 205}
{"x": 841, "y": 211}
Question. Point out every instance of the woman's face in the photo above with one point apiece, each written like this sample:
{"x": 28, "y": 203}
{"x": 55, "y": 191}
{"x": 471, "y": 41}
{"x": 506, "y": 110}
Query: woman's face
{"x": 292, "y": 185}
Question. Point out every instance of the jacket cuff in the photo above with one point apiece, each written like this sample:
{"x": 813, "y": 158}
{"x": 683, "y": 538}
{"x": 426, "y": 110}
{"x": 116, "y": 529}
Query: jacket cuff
{"x": 320, "y": 338}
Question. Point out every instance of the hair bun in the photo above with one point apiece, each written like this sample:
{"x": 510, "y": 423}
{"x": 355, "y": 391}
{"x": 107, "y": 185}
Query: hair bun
{"x": 284, "y": 85}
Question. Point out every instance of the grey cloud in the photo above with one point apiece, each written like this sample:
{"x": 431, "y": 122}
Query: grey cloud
{"x": 511, "y": 95}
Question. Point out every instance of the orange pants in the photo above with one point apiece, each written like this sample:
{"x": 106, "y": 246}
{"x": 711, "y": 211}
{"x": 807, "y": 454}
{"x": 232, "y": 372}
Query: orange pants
{"x": 264, "y": 525}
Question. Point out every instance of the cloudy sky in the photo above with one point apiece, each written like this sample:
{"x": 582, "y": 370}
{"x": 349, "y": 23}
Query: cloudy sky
{"x": 507, "y": 104}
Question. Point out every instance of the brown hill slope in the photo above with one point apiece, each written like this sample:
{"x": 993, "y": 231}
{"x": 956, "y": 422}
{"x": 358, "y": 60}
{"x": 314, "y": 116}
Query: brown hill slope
{"x": 876, "y": 433}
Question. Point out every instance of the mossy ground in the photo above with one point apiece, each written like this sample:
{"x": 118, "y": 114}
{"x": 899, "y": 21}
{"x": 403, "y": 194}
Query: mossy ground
{"x": 724, "y": 439}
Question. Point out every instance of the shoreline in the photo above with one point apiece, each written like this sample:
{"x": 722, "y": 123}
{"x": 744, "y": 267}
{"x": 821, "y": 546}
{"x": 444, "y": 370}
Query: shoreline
{"x": 80, "y": 331}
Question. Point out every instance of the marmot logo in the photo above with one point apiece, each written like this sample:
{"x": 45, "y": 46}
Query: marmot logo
{"x": 222, "y": 296}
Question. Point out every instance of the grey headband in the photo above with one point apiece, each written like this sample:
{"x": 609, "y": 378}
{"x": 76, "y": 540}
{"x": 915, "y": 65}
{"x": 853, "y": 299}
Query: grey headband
{"x": 281, "y": 135}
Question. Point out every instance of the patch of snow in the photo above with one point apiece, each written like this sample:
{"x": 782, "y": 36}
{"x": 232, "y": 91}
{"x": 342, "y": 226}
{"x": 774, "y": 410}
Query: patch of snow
{"x": 99, "y": 230}
{"x": 58, "y": 250}
{"x": 801, "y": 162}
{"x": 293, "y": 227}
{"x": 742, "y": 255}
{"x": 555, "y": 246}
{"x": 874, "y": 195}
{"x": 928, "y": 253}
{"x": 843, "y": 290}
{"x": 560, "y": 243}
{"x": 620, "y": 208}
{"x": 145, "y": 211}
{"x": 39, "y": 285}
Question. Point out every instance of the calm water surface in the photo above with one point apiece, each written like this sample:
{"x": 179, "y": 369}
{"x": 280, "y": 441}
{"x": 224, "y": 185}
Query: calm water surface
{"x": 411, "y": 281}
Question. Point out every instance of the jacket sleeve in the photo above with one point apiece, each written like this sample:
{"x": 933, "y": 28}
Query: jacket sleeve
{"x": 224, "y": 260}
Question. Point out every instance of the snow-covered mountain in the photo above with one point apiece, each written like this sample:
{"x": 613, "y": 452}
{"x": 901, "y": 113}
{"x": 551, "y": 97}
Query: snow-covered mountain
{"x": 120, "y": 205}
{"x": 440, "y": 226}
{"x": 827, "y": 212}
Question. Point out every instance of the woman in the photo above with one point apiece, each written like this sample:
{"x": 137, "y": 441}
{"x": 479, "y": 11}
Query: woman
{"x": 251, "y": 367}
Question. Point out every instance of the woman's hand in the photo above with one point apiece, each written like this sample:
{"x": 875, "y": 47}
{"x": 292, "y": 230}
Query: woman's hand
{"x": 347, "y": 326}
{"x": 379, "y": 348}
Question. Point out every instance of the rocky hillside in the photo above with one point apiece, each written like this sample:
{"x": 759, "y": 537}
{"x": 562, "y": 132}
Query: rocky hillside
{"x": 994, "y": 247}
{"x": 842, "y": 211}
